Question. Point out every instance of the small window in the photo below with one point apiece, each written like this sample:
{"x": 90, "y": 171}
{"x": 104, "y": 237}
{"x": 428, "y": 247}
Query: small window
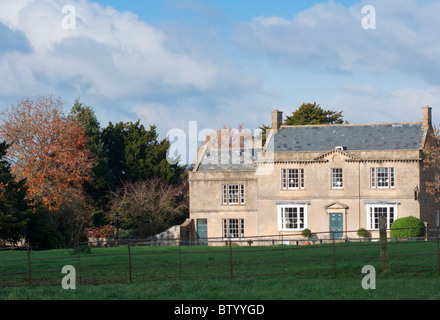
{"x": 233, "y": 228}
{"x": 337, "y": 182}
{"x": 292, "y": 178}
{"x": 382, "y": 178}
{"x": 233, "y": 194}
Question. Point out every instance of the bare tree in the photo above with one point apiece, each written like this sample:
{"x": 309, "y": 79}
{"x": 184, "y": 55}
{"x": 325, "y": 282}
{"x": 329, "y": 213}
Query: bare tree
{"x": 148, "y": 207}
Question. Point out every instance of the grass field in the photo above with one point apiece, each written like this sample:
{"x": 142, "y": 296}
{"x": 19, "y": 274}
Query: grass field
{"x": 276, "y": 272}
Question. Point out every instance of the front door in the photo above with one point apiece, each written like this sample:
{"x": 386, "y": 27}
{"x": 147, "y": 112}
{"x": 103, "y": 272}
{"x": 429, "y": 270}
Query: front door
{"x": 202, "y": 231}
{"x": 336, "y": 225}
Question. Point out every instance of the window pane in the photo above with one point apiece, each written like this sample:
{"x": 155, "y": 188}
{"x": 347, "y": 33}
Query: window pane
{"x": 392, "y": 177}
{"x": 382, "y": 177}
{"x": 225, "y": 194}
{"x": 373, "y": 178}
{"x": 225, "y": 228}
{"x": 283, "y": 179}
{"x": 389, "y": 212}
{"x": 233, "y": 193}
{"x": 337, "y": 178}
{"x": 241, "y": 193}
{"x": 301, "y": 172}
{"x": 390, "y": 217}
{"x": 293, "y": 179}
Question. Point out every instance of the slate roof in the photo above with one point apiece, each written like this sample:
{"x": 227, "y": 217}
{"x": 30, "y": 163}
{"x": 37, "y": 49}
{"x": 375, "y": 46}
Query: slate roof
{"x": 399, "y": 136}
{"x": 229, "y": 160}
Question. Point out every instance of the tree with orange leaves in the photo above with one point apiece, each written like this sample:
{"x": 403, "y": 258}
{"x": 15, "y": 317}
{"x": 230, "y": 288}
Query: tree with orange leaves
{"x": 47, "y": 149}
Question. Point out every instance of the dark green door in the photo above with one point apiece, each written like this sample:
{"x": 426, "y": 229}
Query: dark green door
{"x": 336, "y": 225}
{"x": 202, "y": 231}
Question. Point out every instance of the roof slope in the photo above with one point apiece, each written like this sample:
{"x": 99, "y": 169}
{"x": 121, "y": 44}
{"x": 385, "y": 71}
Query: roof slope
{"x": 398, "y": 136}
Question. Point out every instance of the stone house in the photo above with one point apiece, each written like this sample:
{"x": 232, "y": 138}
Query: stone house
{"x": 331, "y": 179}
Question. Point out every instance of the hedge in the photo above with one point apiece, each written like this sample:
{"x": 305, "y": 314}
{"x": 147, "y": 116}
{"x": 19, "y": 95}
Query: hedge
{"x": 407, "y": 227}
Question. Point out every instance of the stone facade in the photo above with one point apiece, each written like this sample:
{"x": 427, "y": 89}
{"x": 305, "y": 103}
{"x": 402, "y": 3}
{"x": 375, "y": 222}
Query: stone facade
{"x": 337, "y": 178}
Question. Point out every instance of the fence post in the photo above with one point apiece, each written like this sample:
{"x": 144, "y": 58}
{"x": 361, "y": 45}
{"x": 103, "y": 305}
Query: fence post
{"x": 438, "y": 254}
{"x": 129, "y": 260}
{"x": 29, "y": 264}
{"x": 282, "y": 251}
{"x": 230, "y": 257}
{"x": 79, "y": 263}
{"x": 384, "y": 255}
{"x": 334, "y": 252}
{"x": 180, "y": 263}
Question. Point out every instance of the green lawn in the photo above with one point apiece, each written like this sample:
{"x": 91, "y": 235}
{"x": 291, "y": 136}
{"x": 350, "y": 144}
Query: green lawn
{"x": 200, "y": 272}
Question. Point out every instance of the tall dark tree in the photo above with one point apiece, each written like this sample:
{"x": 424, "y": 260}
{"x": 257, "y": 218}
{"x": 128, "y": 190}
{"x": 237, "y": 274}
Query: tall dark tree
{"x": 14, "y": 207}
{"x": 102, "y": 177}
{"x": 312, "y": 113}
{"x": 308, "y": 114}
{"x": 135, "y": 153}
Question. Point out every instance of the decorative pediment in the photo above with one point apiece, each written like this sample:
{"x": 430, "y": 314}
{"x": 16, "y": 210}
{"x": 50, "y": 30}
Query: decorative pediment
{"x": 337, "y": 205}
{"x": 342, "y": 154}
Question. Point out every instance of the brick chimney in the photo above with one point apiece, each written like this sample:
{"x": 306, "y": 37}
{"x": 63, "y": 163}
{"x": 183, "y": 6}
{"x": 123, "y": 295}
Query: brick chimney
{"x": 277, "y": 119}
{"x": 426, "y": 117}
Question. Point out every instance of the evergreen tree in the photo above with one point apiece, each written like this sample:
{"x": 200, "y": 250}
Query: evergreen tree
{"x": 312, "y": 113}
{"x": 135, "y": 153}
{"x": 14, "y": 208}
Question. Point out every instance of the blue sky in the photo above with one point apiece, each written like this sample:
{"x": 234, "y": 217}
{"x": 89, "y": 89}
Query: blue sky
{"x": 223, "y": 62}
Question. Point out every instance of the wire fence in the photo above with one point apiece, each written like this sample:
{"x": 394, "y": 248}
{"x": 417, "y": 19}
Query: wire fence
{"x": 127, "y": 261}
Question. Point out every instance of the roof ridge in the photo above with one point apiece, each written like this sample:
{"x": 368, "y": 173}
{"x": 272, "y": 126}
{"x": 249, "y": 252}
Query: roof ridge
{"x": 350, "y": 124}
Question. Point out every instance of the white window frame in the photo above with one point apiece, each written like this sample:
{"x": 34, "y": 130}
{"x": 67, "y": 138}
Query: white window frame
{"x": 282, "y": 217}
{"x": 376, "y": 180}
{"x": 337, "y": 175}
{"x": 229, "y": 191}
{"x": 288, "y": 177}
{"x": 371, "y": 223}
{"x": 233, "y": 228}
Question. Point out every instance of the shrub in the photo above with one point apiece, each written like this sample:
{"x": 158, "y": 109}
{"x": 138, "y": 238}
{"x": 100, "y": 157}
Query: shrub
{"x": 407, "y": 227}
{"x": 307, "y": 233}
{"x": 101, "y": 232}
{"x": 362, "y": 232}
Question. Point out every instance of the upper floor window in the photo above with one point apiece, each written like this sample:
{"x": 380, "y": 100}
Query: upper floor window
{"x": 292, "y": 178}
{"x": 382, "y": 177}
{"x": 337, "y": 182}
{"x": 233, "y": 194}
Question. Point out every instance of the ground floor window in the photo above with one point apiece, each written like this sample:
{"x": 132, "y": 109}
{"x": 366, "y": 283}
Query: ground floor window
{"x": 292, "y": 217}
{"x": 233, "y": 228}
{"x": 375, "y": 211}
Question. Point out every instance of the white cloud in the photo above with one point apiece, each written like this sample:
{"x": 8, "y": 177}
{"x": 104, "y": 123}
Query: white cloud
{"x": 368, "y": 105}
{"x": 330, "y": 37}
{"x": 110, "y": 53}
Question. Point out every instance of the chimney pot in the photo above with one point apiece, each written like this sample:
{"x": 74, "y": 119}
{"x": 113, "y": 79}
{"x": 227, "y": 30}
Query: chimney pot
{"x": 277, "y": 119}
{"x": 426, "y": 117}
